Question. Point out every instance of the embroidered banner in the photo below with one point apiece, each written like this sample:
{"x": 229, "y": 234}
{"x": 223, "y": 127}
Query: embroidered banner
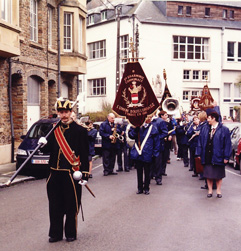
{"x": 135, "y": 98}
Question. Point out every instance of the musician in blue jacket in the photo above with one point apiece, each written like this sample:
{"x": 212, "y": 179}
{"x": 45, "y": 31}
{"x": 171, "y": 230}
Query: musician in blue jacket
{"x": 147, "y": 146}
{"x": 214, "y": 149}
{"x": 109, "y": 146}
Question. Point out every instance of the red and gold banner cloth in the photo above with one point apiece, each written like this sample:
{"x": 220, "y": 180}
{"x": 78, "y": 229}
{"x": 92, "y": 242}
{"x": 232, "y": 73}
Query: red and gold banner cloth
{"x": 135, "y": 98}
{"x": 64, "y": 146}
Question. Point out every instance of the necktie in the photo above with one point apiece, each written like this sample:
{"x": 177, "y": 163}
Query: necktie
{"x": 212, "y": 132}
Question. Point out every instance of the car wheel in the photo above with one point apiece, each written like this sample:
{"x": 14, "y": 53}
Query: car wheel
{"x": 236, "y": 162}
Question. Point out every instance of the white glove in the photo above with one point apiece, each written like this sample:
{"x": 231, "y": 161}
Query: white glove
{"x": 42, "y": 141}
{"x": 83, "y": 182}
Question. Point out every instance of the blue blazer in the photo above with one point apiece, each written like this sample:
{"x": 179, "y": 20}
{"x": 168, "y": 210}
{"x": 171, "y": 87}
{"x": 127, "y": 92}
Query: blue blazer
{"x": 222, "y": 148}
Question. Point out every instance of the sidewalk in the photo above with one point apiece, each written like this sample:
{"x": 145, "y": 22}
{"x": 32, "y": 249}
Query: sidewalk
{"x": 7, "y": 171}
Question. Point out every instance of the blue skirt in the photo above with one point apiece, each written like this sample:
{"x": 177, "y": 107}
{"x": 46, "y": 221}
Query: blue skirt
{"x": 214, "y": 172}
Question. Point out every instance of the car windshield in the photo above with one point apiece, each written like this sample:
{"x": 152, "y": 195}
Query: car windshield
{"x": 39, "y": 130}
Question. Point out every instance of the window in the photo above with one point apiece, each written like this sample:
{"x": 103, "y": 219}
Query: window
{"x": 188, "y": 10}
{"x": 80, "y": 34}
{"x": 237, "y": 93}
{"x": 239, "y": 52}
{"x": 33, "y": 91}
{"x": 225, "y": 14}
{"x": 195, "y": 93}
{"x": 185, "y": 95}
{"x": 33, "y": 20}
{"x": 231, "y": 14}
{"x": 97, "y": 87}
{"x": 124, "y": 52}
{"x": 227, "y": 92}
{"x": 91, "y": 19}
{"x": 207, "y": 12}
{"x": 205, "y": 75}
{"x": 97, "y": 49}
{"x": 195, "y": 75}
{"x": 67, "y": 31}
{"x": 6, "y": 10}
{"x": 186, "y": 74}
{"x": 230, "y": 54}
{"x": 65, "y": 90}
{"x": 104, "y": 15}
{"x": 180, "y": 10}
{"x": 190, "y": 48}
{"x": 50, "y": 26}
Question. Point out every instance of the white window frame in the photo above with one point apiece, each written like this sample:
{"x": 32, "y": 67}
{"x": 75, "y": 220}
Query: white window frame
{"x": 6, "y": 10}
{"x": 68, "y": 32}
{"x": 124, "y": 52}
{"x": 205, "y": 75}
{"x": 34, "y": 20}
{"x": 185, "y": 95}
{"x": 188, "y": 48}
{"x": 196, "y": 75}
{"x": 80, "y": 34}
{"x": 103, "y": 15}
{"x": 226, "y": 97}
{"x": 97, "y": 50}
{"x": 186, "y": 75}
{"x": 225, "y": 13}
{"x": 237, "y": 93}
{"x": 188, "y": 94}
{"x": 229, "y": 56}
{"x": 97, "y": 87}
{"x": 180, "y": 10}
{"x": 50, "y": 27}
{"x": 91, "y": 19}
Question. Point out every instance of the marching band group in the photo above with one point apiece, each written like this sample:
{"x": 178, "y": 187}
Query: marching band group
{"x": 190, "y": 137}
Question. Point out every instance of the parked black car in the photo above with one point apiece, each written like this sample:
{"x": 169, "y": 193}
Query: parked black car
{"x": 38, "y": 165}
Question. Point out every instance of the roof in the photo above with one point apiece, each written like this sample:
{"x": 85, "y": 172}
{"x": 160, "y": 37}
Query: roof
{"x": 154, "y": 12}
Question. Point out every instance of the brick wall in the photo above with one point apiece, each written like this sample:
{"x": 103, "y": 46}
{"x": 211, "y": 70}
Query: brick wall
{"x": 198, "y": 10}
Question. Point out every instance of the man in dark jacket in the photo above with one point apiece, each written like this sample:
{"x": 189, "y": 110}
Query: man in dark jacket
{"x": 214, "y": 149}
{"x": 109, "y": 146}
{"x": 157, "y": 167}
{"x": 64, "y": 193}
{"x": 147, "y": 146}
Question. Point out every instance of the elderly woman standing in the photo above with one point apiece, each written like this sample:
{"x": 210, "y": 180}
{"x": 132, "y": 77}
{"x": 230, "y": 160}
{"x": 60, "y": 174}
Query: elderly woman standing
{"x": 214, "y": 149}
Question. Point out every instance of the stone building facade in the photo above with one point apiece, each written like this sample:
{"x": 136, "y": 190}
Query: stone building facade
{"x": 42, "y": 53}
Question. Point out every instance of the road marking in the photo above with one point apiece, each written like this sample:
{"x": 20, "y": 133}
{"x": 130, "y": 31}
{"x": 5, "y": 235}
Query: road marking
{"x": 232, "y": 172}
{"x": 97, "y": 167}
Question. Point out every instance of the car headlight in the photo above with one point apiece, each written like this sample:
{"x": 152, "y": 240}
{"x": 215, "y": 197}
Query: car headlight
{"x": 21, "y": 152}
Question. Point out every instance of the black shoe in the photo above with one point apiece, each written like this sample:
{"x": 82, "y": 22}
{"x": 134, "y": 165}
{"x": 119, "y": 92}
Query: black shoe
{"x": 164, "y": 174}
{"x": 219, "y": 195}
{"x": 190, "y": 170}
{"x": 106, "y": 173}
{"x": 139, "y": 192}
{"x": 127, "y": 170}
{"x": 159, "y": 183}
{"x": 113, "y": 173}
{"x": 146, "y": 192}
{"x": 194, "y": 175}
{"x": 204, "y": 187}
{"x": 201, "y": 178}
{"x": 90, "y": 176}
{"x": 69, "y": 239}
{"x": 209, "y": 195}
{"x": 186, "y": 165}
{"x": 51, "y": 239}
{"x": 119, "y": 170}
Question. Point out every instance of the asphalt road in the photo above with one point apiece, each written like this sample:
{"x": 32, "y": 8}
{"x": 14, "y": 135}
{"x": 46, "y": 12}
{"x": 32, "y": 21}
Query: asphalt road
{"x": 175, "y": 216}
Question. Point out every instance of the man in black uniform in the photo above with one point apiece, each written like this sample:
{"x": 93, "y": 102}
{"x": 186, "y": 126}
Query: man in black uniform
{"x": 64, "y": 193}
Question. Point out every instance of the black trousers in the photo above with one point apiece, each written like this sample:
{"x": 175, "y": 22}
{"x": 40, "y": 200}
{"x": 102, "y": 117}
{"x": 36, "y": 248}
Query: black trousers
{"x": 123, "y": 149}
{"x": 185, "y": 155}
{"x": 140, "y": 167}
{"x": 192, "y": 159}
{"x": 64, "y": 196}
{"x": 108, "y": 159}
{"x": 156, "y": 170}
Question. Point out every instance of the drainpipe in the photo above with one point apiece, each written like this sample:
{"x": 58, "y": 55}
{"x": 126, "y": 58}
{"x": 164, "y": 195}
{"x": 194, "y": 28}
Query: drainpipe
{"x": 10, "y": 108}
{"x": 59, "y": 73}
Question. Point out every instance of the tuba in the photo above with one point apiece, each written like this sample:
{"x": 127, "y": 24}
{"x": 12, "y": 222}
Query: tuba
{"x": 170, "y": 105}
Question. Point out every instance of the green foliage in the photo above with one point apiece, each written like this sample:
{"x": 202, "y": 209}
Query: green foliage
{"x": 100, "y": 115}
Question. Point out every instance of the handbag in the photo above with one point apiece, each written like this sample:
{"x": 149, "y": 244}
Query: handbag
{"x": 199, "y": 166}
